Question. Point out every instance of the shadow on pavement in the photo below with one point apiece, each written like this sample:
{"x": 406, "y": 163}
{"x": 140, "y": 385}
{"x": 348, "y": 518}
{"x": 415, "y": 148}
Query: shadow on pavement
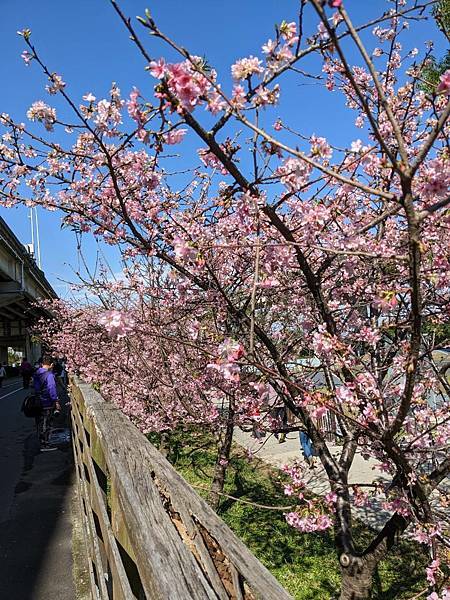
{"x": 35, "y": 545}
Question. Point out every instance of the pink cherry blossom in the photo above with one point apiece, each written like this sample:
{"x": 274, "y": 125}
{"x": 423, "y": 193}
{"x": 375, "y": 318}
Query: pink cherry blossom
{"x": 444, "y": 83}
{"x": 183, "y": 249}
{"x": 232, "y": 350}
{"x": 56, "y": 84}
{"x": 245, "y": 67}
{"x": 269, "y": 47}
{"x": 431, "y": 571}
{"x": 216, "y": 103}
{"x": 158, "y": 68}
{"x": 39, "y": 111}
{"x": 239, "y": 97}
{"x": 175, "y": 136}
{"x": 27, "y": 57}
{"x": 210, "y": 160}
{"x": 117, "y": 323}
{"x": 278, "y": 126}
{"x": 289, "y": 32}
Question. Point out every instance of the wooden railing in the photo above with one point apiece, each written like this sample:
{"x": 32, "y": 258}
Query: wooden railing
{"x": 149, "y": 535}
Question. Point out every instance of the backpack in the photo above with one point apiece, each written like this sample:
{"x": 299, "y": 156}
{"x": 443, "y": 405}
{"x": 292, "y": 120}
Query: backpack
{"x": 32, "y": 405}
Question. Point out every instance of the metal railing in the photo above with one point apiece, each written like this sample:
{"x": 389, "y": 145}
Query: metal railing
{"x": 149, "y": 535}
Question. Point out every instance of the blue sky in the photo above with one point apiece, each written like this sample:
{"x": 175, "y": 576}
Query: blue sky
{"x": 86, "y": 43}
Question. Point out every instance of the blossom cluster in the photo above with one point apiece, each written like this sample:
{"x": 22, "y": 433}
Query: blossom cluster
{"x": 117, "y": 323}
{"x": 39, "y": 111}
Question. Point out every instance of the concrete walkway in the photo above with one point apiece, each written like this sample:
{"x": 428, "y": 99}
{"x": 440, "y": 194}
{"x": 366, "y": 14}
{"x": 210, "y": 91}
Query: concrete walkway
{"x": 36, "y": 495}
{"x": 362, "y": 471}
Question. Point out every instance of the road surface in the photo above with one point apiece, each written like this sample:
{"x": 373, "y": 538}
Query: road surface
{"x": 36, "y": 494}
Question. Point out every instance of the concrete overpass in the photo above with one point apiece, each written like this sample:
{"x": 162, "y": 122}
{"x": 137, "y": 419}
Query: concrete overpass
{"x": 21, "y": 284}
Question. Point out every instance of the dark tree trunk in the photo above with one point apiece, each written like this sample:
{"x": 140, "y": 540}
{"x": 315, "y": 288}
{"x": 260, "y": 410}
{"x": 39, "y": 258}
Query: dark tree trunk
{"x": 357, "y": 571}
{"x": 223, "y": 456}
{"x": 357, "y": 580}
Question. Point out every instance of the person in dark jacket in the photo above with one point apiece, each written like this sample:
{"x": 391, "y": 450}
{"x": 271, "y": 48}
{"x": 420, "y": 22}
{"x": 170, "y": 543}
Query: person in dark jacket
{"x": 2, "y": 374}
{"x": 45, "y": 387}
{"x": 26, "y": 370}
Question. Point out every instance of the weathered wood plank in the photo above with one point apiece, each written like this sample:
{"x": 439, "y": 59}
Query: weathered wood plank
{"x": 181, "y": 548}
{"x": 98, "y": 585}
{"x": 166, "y": 567}
{"x": 93, "y": 495}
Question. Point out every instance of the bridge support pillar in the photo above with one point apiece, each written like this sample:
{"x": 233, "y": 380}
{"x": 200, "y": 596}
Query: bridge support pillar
{"x": 3, "y": 354}
{"x": 34, "y": 351}
{"x": 27, "y": 350}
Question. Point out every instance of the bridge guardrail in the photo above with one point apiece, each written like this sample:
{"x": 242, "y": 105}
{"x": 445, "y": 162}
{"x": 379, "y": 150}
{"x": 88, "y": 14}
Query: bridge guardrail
{"x": 149, "y": 535}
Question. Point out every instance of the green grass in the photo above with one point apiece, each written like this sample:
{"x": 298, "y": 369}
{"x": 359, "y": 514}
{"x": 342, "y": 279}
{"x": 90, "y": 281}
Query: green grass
{"x": 305, "y": 564}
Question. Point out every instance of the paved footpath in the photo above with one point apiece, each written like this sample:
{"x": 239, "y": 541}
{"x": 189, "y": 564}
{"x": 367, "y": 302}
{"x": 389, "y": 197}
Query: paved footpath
{"x": 36, "y": 495}
{"x": 362, "y": 471}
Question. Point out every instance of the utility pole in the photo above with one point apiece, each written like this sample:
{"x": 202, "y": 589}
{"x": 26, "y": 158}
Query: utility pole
{"x": 38, "y": 239}
{"x": 32, "y": 230}
{"x": 35, "y": 237}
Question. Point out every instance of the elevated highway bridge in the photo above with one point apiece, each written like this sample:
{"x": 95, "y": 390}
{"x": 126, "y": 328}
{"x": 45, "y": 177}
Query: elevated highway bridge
{"x": 22, "y": 283}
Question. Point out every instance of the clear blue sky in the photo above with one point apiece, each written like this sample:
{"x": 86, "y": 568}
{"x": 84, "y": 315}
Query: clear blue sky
{"x": 85, "y": 42}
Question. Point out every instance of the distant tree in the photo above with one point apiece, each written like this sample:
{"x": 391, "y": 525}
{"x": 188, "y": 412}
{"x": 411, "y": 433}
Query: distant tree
{"x": 436, "y": 67}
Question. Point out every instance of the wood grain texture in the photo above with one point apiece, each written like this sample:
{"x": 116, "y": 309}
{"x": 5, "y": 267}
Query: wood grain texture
{"x": 181, "y": 549}
{"x": 105, "y": 556}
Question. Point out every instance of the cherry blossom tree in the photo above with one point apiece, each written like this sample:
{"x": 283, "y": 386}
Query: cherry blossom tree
{"x": 300, "y": 247}
{"x": 152, "y": 362}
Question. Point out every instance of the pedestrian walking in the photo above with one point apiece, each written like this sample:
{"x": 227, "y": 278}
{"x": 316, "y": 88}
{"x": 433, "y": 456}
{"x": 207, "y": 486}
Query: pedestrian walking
{"x": 64, "y": 374}
{"x": 307, "y": 448}
{"x": 45, "y": 387}
{"x": 26, "y": 370}
{"x": 2, "y": 374}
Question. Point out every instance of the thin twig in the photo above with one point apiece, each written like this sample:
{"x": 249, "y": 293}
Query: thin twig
{"x": 265, "y": 506}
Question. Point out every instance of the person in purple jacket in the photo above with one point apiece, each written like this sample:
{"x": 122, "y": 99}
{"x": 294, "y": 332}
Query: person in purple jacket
{"x": 45, "y": 386}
